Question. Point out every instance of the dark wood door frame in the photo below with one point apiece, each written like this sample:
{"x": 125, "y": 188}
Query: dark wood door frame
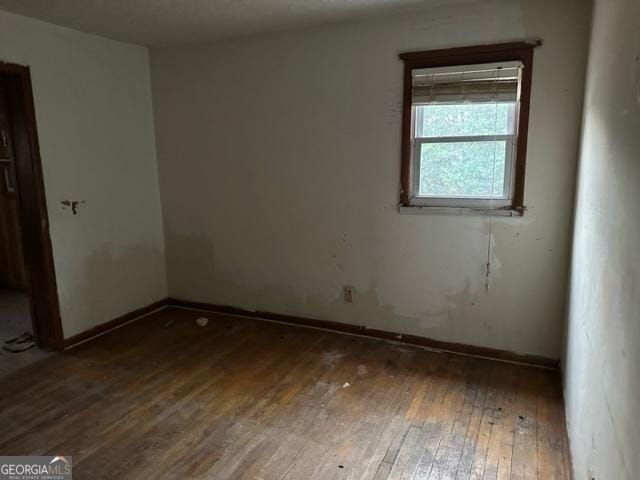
{"x": 34, "y": 223}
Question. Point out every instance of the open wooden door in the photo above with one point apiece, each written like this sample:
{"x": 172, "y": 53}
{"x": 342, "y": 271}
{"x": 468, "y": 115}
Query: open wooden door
{"x": 23, "y": 201}
{"x": 12, "y": 266}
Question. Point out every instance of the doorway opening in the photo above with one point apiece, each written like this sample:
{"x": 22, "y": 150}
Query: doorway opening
{"x": 29, "y": 311}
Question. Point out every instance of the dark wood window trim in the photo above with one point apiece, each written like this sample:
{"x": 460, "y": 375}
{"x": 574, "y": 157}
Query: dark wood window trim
{"x": 501, "y": 52}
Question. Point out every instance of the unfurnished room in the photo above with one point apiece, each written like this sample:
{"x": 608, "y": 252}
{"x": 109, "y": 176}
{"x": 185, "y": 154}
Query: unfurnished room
{"x": 319, "y": 239}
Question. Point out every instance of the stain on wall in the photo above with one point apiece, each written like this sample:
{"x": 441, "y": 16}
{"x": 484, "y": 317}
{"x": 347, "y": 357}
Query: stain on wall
{"x": 283, "y": 186}
{"x": 91, "y": 295}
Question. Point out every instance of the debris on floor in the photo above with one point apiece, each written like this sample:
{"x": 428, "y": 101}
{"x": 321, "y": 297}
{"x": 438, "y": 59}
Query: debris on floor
{"x": 19, "y": 344}
{"x": 330, "y": 359}
{"x": 202, "y": 321}
{"x": 346, "y": 384}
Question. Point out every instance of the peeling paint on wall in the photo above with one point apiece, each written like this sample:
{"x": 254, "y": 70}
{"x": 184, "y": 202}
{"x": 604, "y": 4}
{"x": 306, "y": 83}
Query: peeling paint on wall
{"x": 319, "y": 180}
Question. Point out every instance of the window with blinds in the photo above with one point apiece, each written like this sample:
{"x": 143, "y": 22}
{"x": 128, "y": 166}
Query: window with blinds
{"x": 463, "y": 136}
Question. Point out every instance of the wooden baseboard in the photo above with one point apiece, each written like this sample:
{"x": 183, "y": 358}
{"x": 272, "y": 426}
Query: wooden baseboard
{"x": 458, "y": 348}
{"x": 113, "y": 324}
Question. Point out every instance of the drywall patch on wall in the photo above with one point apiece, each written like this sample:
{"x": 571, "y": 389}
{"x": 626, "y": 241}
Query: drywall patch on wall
{"x": 88, "y": 300}
{"x": 602, "y": 381}
{"x": 95, "y": 127}
{"x": 291, "y": 171}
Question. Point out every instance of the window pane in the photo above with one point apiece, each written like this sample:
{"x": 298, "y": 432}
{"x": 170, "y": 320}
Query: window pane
{"x": 462, "y": 169}
{"x": 464, "y": 119}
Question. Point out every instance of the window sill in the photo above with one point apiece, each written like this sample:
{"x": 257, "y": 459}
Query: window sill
{"x": 469, "y": 211}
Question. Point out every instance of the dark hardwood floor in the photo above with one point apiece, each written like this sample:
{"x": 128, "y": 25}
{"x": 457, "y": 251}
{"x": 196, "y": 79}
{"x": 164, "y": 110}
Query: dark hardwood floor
{"x": 241, "y": 398}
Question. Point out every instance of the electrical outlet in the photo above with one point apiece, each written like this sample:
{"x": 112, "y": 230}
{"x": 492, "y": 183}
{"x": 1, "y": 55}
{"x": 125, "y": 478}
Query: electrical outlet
{"x": 348, "y": 293}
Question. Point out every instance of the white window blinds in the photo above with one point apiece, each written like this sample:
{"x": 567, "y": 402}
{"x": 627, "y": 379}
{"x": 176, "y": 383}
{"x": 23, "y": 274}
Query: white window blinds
{"x": 491, "y": 82}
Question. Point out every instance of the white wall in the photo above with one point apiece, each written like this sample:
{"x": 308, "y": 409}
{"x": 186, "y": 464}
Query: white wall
{"x": 279, "y": 171}
{"x": 95, "y": 124}
{"x": 602, "y": 364}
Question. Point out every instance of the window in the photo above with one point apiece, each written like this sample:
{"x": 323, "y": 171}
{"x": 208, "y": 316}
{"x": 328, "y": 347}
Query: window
{"x": 465, "y": 128}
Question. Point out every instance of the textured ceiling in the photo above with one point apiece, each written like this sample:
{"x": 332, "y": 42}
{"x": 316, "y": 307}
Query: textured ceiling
{"x": 181, "y": 22}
